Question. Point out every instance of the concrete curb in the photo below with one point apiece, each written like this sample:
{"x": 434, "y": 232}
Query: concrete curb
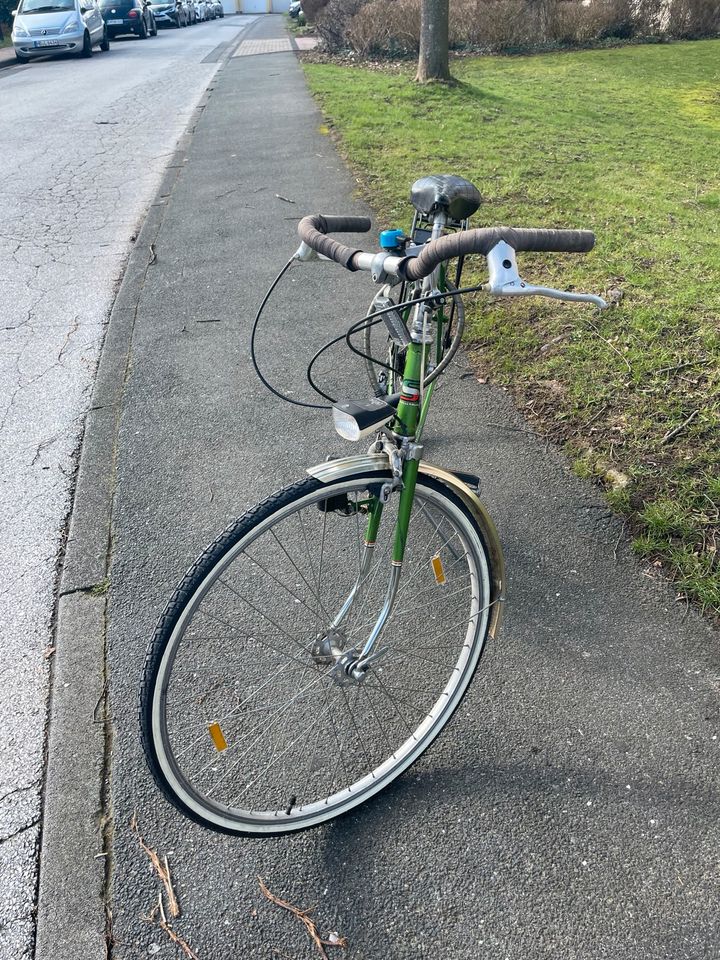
{"x": 7, "y": 58}
{"x": 75, "y": 854}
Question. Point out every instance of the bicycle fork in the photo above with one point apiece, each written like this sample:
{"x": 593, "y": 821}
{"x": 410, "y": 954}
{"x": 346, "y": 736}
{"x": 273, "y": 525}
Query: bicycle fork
{"x": 404, "y": 461}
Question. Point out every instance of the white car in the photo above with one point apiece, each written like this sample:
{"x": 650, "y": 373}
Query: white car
{"x": 43, "y": 27}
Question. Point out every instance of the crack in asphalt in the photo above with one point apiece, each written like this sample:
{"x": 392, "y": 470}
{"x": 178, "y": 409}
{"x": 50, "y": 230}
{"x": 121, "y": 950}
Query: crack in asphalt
{"x": 11, "y": 793}
{"x": 16, "y": 833}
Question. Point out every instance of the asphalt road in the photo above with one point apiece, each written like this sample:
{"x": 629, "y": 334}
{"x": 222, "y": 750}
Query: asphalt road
{"x": 572, "y": 810}
{"x": 84, "y": 146}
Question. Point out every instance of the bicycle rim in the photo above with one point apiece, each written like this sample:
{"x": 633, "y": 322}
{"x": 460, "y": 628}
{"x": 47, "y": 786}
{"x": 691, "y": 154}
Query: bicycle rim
{"x": 251, "y": 730}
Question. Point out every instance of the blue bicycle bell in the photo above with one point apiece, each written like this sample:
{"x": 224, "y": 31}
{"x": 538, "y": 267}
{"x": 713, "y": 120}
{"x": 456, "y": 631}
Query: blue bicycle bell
{"x": 392, "y": 239}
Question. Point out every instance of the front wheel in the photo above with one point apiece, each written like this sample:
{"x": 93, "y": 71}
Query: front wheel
{"x": 87, "y": 50}
{"x": 250, "y": 721}
{"x": 105, "y": 42}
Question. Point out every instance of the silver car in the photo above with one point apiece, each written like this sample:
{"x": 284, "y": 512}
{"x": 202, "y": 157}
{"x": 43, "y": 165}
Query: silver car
{"x": 43, "y": 27}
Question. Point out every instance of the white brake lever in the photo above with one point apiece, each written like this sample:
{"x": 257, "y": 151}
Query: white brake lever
{"x": 505, "y": 280}
{"x": 304, "y": 253}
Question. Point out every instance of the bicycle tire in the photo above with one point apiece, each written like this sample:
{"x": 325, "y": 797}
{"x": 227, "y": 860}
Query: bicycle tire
{"x": 229, "y": 670}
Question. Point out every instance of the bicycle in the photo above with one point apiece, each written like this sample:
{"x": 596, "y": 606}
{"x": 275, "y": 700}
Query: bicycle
{"x": 321, "y": 643}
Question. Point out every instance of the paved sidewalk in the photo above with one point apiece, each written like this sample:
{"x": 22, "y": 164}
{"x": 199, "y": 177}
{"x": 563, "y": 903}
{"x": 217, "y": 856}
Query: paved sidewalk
{"x": 572, "y": 809}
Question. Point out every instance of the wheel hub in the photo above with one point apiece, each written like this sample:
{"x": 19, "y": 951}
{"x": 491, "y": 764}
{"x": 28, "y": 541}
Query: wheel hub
{"x": 327, "y": 651}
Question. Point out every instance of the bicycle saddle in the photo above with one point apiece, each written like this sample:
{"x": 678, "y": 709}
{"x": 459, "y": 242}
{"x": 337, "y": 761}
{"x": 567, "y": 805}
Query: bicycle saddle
{"x": 457, "y": 197}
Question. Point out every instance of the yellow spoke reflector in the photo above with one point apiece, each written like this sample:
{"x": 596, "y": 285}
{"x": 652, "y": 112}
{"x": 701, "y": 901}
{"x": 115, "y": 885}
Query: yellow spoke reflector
{"x": 438, "y": 568}
{"x": 218, "y": 737}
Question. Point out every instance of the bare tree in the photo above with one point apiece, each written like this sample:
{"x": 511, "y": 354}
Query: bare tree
{"x": 433, "y": 62}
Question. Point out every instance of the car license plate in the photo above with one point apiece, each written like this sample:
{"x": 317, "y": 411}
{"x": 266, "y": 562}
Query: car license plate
{"x": 114, "y": 23}
{"x": 47, "y": 43}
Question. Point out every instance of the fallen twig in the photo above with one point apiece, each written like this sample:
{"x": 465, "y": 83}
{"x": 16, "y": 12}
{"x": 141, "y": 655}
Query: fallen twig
{"x": 162, "y": 871}
{"x": 176, "y": 938}
{"x": 680, "y": 366}
{"x": 304, "y": 916}
{"x": 227, "y": 193}
{"x": 671, "y": 434}
{"x": 103, "y": 694}
{"x": 159, "y": 910}
{"x": 619, "y": 539}
{"x": 612, "y": 347}
{"x": 286, "y": 199}
{"x": 153, "y": 255}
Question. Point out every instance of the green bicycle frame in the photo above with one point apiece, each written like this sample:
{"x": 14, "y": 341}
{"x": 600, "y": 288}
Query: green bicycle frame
{"x": 409, "y": 423}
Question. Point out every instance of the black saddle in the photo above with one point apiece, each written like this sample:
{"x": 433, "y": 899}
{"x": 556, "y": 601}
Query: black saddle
{"x": 458, "y": 198}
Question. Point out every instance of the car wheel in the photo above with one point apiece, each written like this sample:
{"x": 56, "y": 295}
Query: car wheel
{"x": 105, "y": 42}
{"x": 153, "y": 29}
{"x": 87, "y": 50}
{"x": 142, "y": 32}
{"x": 21, "y": 59}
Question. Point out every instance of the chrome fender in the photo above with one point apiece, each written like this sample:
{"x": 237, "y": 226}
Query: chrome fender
{"x": 332, "y": 470}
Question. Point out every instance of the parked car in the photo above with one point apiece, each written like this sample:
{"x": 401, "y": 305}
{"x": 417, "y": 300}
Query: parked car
{"x": 295, "y": 9}
{"x": 192, "y": 12}
{"x": 202, "y": 10}
{"x": 129, "y": 16}
{"x": 174, "y": 14}
{"x": 218, "y": 7}
{"x": 43, "y": 27}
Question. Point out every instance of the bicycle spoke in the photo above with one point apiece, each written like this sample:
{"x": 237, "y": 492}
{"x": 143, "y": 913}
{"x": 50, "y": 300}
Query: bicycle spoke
{"x": 384, "y": 689}
{"x": 265, "y": 728}
{"x": 357, "y": 731}
{"x": 305, "y": 664}
{"x": 405, "y": 703}
{"x": 377, "y": 718}
{"x": 282, "y": 585}
{"x": 263, "y": 615}
{"x": 276, "y": 757}
{"x": 312, "y": 590}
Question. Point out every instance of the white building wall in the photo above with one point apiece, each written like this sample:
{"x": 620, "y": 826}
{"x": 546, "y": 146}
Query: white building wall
{"x": 256, "y": 6}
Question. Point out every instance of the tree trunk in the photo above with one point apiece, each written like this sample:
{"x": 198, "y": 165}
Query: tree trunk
{"x": 433, "y": 60}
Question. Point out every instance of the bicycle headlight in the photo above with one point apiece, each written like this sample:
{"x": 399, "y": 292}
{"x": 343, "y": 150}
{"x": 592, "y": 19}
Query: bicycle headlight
{"x": 355, "y": 419}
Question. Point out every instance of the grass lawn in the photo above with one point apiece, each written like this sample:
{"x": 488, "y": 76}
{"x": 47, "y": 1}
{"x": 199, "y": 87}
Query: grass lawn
{"x": 625, "y": 142}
